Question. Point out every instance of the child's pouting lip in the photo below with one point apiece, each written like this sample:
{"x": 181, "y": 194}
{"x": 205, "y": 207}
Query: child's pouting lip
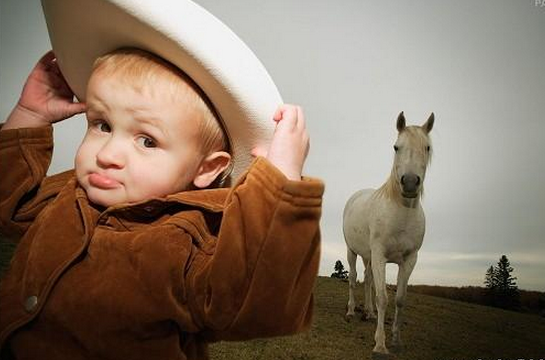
{"x": 103, "y": 181}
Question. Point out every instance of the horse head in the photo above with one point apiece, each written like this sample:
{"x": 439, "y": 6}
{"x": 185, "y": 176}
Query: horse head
{"x": 412, "y": 156}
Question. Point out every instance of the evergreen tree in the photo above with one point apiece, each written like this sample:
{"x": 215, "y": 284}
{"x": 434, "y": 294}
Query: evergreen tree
{"x": 490, "y": 280}
{"x": 340, "y": 272}
{"x": 503, "y": 276}
{"x": 491, "y": 286}
{"x": 508, "y": 292}
{"x": 501, "y": 288}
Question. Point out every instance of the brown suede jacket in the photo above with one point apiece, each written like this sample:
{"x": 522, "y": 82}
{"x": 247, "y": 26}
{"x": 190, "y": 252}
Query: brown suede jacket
{"x": 153, "y": 280}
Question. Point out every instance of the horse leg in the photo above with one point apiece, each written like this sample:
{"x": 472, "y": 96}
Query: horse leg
{"x": 378, "y": 264}
{"x": 369, "y": 292}
{"x": 352, "y": 276}
{"x": 405, "y": 270}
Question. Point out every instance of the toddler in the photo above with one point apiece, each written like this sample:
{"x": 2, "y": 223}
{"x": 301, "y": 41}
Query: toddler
{"x": 137, "y": 254}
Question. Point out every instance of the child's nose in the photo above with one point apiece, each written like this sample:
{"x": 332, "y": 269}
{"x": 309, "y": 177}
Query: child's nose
{"x": 111, "y": 155}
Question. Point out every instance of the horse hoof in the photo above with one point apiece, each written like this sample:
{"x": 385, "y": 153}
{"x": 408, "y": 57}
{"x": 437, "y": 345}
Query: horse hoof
{"x": 348, "y": 318}
{"x": 382, "y": 356}
{"x": 369, "y": 317}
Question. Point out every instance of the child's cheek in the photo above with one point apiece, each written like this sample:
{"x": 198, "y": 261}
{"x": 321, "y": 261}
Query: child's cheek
{"x": 83, "y": 152}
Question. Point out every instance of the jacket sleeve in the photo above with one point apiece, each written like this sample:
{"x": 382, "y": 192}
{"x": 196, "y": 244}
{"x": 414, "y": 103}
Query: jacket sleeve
{"x": 260, "y": 279}
{"x": 25, "y": 155}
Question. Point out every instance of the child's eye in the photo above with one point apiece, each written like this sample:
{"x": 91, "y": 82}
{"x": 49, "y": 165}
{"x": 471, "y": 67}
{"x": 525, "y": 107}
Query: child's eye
{"x": 147, "y": 142}
{"x": 103, "y": 126}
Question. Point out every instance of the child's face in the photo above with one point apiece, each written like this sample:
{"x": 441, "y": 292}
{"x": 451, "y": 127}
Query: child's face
{"x": 138, "y": 144}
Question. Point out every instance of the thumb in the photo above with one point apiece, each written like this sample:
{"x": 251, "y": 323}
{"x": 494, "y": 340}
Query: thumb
{"x": 259, "y": 151}
{"x": 78, "y": 108}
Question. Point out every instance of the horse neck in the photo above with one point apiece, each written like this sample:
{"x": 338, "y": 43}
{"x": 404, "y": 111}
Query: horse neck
{"x": 391, "y": 190}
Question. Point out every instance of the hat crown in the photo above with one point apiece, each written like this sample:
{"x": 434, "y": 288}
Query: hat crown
{"x": 183, "y": 33}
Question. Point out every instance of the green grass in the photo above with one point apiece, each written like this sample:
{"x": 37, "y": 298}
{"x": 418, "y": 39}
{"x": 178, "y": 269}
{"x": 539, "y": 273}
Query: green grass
{"x": 434, "y": 329}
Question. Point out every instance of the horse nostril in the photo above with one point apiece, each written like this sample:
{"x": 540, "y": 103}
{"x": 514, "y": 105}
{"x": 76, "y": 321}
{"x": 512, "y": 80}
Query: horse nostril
{"x": 410, "y": 182}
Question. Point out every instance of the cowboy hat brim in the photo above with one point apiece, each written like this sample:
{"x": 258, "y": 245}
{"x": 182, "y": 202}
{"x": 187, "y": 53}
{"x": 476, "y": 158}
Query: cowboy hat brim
{"x": 186, "y": 35}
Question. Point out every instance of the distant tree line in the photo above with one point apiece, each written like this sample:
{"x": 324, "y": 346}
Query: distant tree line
{"x": 500, "y": 290}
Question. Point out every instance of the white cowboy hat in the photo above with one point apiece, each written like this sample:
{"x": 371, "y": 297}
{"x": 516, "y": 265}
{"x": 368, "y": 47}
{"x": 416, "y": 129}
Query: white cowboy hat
{"x": 186, "y": 35}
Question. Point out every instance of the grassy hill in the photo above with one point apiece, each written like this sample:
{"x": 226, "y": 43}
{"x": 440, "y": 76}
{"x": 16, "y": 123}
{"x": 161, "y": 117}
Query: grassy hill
{"x": 434, "y": 329}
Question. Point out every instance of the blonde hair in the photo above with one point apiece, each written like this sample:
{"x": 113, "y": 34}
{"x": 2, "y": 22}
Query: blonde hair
{"x": 141, "y": 67}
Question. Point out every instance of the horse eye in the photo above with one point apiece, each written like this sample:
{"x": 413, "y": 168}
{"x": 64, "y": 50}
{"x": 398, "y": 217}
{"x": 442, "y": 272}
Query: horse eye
{"x": 396, "y": 148}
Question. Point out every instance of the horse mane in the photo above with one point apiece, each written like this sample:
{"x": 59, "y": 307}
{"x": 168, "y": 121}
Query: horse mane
{"x": 390, "y": 189}
{"x": 418, "y": 139}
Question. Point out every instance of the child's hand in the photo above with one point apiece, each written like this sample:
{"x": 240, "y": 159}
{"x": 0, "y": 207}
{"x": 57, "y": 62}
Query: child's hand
{"x": 46, "y": 97}
{"x": 290, "y": 143}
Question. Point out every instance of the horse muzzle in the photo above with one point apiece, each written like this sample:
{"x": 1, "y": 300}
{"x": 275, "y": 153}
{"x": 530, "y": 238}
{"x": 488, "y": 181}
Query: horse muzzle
{"x": 410, "y": 185}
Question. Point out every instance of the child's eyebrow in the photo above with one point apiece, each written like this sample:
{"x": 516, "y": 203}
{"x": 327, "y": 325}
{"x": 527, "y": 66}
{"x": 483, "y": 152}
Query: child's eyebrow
{"x": 145, "y": 118}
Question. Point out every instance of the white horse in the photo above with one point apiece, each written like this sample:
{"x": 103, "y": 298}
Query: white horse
{"x": 387, "y": 226}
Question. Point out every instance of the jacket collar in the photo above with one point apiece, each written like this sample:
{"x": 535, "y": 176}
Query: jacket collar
{"x": 210, "y": 200}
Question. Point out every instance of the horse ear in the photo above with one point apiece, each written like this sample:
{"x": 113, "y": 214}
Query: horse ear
{"x": 401, "y": 122}
{"x": 429, "y": 123}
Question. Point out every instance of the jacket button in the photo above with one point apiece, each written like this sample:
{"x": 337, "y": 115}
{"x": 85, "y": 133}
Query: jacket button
{"x": 30, "y": 303}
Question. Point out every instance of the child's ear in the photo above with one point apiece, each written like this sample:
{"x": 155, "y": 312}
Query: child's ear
{"x": 212, "y": 166}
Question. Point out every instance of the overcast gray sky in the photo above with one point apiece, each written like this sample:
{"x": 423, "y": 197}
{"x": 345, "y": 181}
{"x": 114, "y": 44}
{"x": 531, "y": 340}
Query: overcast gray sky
{"x": 353, "y": 66}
